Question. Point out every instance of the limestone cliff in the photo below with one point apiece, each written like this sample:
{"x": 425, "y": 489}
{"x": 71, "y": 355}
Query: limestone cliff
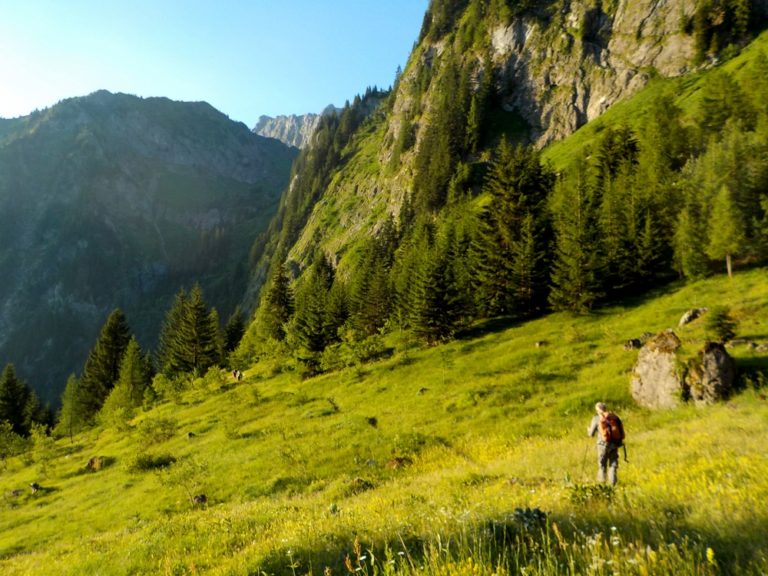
{"x": 293, "y": 130}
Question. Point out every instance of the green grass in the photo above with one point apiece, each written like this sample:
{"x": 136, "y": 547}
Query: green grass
{"x": 464, "y": 434}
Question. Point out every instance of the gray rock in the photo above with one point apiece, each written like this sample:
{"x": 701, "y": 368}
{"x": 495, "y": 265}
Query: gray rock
{"x": 691, "y": 315}
{"x": 711, "y": 375}
{"x": 657, "y": 382}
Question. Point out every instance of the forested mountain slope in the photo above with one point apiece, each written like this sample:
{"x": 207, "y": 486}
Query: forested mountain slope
{"x": 439, "y": 209}
{"x": 115, "y": 201}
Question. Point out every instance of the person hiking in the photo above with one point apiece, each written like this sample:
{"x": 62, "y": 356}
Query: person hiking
{"x": 610, "y": 437}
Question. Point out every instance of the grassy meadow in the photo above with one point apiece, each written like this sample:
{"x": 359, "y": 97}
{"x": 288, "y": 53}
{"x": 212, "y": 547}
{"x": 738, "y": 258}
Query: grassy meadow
{"x": 467, "y": 458}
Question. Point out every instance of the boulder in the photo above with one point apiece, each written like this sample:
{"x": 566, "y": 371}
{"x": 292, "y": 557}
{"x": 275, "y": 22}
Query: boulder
{"x": 711, "y": 376}
{"x": 691, "y": 315}
{"x": 657, "y": 380}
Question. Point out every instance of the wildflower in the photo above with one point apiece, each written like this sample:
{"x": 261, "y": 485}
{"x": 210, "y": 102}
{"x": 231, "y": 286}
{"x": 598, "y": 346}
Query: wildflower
{"x": 711, "y": 556}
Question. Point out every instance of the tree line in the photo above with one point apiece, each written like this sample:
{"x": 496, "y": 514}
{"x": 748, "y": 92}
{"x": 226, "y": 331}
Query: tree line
{"x": 118, "y": 377}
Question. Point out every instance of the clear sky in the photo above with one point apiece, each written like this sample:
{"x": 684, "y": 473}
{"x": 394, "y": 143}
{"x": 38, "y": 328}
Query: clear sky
{"x": 246, "y": 57}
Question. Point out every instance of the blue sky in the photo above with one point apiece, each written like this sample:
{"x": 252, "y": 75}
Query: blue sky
{"x": 246, "y": 58}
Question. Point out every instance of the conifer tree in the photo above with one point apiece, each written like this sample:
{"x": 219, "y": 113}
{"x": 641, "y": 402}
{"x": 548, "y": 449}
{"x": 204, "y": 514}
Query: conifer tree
{"x": 435, "y": 305}
{"x": 689, "y": 242}
{"x": 102, "y": 368}
{"x": 512, "y": 246}
{"x": 196, "y": 346}
{"x": 575, "y": 280}
{"x": 234, "y": 330}
{"x": 167, "y": 357}
{"x": 14, "y": 395}
{"x": 278, "y": 304}
{"x": 727, "y": 230}
{"x": 71, "y": 418}
{"x": 128, "y": 393}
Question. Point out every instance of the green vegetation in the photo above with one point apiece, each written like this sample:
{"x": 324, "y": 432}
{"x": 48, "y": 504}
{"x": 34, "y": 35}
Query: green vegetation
{"x": 469, "y": 457}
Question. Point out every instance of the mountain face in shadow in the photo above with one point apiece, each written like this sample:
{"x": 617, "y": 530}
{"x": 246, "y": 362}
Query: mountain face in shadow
{"x": 112, "y": 200}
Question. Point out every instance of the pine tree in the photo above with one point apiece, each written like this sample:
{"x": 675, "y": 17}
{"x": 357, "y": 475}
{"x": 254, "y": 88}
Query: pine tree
{"x": 128, "y": 393}
{"x": 575, "y": 280}
{"x": 689, "y": 242}
{"x": 14, "y": 395}
{"x": 234, "y": 330}
{"x": 727, "y": 230}
{"x": 71, "y": 418}
{"x": 512, "y": 243}
{"x": 277, "y": 307}
{"x": 435, "y": 304}
{"x": 196, "y": 346}
{"x": 102, "y": 368}
{"x": 167, "y": 358}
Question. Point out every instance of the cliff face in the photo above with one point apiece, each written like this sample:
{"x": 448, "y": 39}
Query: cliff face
{"x": 292, "y": 130}
{"x": 564, "y": 71}
{"x": 115, "y": 201}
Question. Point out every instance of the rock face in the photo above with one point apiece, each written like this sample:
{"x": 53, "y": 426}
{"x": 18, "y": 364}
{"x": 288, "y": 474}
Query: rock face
{"x": 566, "y": 70}
{"x": 657, "y": 381}
{"x": 661, "y": 381}
{"x": 292, "y": 130}
{"x": 711, "y": 376}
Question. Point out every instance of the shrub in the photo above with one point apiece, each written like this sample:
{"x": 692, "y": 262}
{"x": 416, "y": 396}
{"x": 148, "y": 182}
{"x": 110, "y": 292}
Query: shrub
{"x": 156, "y": 430}
{"x": 145, "y": 462}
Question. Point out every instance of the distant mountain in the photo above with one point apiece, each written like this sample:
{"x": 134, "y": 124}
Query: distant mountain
{"x": 293, "y": 130}
{"x": 111, "y": 200}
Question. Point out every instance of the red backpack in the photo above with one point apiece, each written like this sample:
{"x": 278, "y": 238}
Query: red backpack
{"x": 611, "y": 429}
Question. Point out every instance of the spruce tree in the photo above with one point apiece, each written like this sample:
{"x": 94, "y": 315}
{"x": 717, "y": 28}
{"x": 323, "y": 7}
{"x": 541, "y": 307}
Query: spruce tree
{"x": 196, "y": 346}
{"x": 128, "y": 393}
{"x": 575, "y": 271}
{"x": 726, "y": 230}
{"x": 102, "y": 368}
{"x": 71, "y": 418}
{"x": 277, "y": 306}
{"x": 513, "y": 237}
{"x": 167, "y": 358}
{"x": 234, "y": 330}
{"x": 14, "y": 395}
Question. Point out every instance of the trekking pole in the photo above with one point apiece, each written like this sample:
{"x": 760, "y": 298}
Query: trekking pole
{"x": 625, "y": 453}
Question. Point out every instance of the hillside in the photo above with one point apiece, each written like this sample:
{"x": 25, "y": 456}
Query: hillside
{"x": 116, "y": 201}
{"x": 429, "y": 457}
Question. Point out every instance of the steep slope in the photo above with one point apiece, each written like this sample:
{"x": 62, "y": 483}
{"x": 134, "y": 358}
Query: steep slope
{"x": 115, "y": 201}
{"x": 533, "y": 71}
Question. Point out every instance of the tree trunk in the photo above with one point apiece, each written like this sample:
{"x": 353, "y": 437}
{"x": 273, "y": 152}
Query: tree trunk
{"x": 728, "y": 265}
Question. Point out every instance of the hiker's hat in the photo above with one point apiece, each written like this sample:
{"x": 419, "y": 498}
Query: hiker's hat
{"x": 600, "y": 407}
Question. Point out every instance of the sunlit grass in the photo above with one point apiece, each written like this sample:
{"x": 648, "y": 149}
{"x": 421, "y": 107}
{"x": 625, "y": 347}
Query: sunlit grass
{"x": 429, "y": 458}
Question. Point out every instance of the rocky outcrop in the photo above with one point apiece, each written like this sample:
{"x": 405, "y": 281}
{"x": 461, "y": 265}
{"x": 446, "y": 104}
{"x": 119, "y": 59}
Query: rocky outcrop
{"x": 661, "y": 380}
{"x": 657, "y": 381}
{"x": 294, "y": 130}
{"x": 691, "y": 315}
{"x": 562, "y": 71}
{"x": 711, "y": 376}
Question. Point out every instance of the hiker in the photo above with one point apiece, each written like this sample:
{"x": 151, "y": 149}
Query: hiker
{"x": 610, "y": 437}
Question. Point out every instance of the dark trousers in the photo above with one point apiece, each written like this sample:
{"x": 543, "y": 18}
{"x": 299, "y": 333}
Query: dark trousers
{"x": 607, "y": 462}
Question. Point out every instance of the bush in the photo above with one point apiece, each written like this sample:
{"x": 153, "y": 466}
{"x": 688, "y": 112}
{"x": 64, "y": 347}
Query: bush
{"x": 145, "y": 462}
{"x": 156, "y": 430}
